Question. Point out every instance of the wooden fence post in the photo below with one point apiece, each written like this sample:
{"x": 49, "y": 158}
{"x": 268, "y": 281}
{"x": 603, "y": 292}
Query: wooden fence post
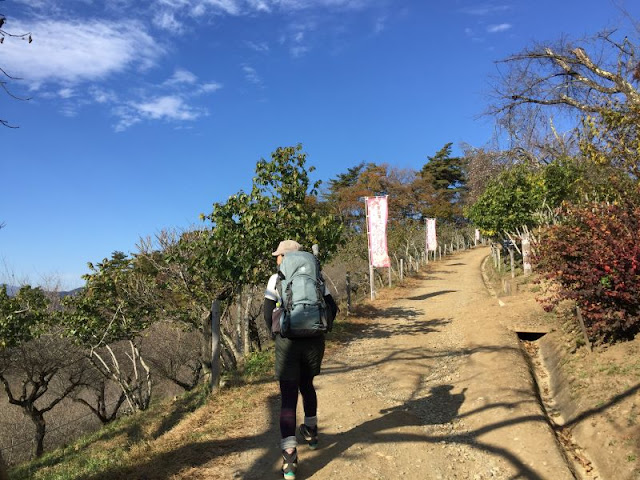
{"x": 513, "y": 273}
{"x": 215, "y": 345}
{"x": 526, "y": 256}
{"x": 372, "y": 284}
{"x": 348, "y": 293}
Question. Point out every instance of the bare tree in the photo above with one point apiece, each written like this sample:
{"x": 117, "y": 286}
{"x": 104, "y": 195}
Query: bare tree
{"x": 3, "y": 74}
{"x": 596, "y": 76}
{"x": 96, "y": 393}
{"x": 39, "y": 374}
{"x": 173, "y": 351}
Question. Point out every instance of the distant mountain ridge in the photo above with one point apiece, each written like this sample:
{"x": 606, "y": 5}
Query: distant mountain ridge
{"x": 12, "y": 290}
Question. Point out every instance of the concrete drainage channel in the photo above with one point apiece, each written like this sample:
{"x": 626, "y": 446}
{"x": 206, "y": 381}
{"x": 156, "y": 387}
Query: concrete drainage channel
{"x": 576, "y": 458}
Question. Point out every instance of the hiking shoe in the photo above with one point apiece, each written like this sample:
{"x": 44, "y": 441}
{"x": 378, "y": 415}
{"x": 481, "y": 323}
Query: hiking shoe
{"x": 289, "y": 464}
{"x": 310, "y": 434}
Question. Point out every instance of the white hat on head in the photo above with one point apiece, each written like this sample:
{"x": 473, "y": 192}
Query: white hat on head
{"x": 287, "y": 246}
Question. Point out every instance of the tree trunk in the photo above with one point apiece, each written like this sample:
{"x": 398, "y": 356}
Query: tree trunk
{"x": 239, "y": 321}
{"x": 246, "y": 339}
{"x": 205, "y": 348}
{"x": 41, "y": 427}
{"x": 137, "y": 390}
{"x": 3, "y": 469}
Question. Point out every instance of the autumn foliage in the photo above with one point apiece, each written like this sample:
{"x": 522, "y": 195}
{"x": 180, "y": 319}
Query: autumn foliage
{"x": 594, "y": 257}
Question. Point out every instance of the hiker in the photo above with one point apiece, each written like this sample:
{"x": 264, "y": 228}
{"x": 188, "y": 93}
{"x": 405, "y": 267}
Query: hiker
{"x": 298, "y": 359}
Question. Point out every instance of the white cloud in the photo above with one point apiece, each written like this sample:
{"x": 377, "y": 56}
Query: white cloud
{"x": 258, "y": 47}
{"x": 251, "y": 75}
{"x": 502, "y": 27}
{"x": 298, "y": 50}
{"x": 380, "y": 25}
{"x": 171, "y": 108}
{"x": 168, "y": 107}
{"x": 260, "y": 5}
{"x": 100, "y": 95}
{"x": 168, "y": 11}
{"x": 296, "y": 38}
{"x": 65, "y": 92}
{"x": 167, "y": 21}
{"x": 209, "y": 87}
{"x": 486, "y": 9}
{"x": 73, "y": 52}
{"x": 182, "y": 76}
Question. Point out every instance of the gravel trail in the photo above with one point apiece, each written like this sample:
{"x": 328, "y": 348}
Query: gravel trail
{"x": 433, "y": 386}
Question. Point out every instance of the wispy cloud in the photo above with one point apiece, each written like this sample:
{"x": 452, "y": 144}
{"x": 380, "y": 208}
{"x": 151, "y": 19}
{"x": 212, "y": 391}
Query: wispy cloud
{"x": 169, "y": 13}
{"x": 208, "y": 87}
{"x": 486, "y": 9}
{"x": 65, "y": 93}
{"x": 380, "y": 25}
{"x": 171, "y": 108}
{"x": 72, "y": 52}
{"x": 175, "y": 103}
{"x": 251, "y": 75}
{"x": 261, "y": 47}
{"x": 182, "y": 76}
{"x": 296, "y": 38}
{"x": 501, "y": 27}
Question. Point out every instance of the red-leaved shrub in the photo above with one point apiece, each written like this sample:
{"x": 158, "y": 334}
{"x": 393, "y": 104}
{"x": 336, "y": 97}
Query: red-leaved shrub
{"x": 594, "y": 257}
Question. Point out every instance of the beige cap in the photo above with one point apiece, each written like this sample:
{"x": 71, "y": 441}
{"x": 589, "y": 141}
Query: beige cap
{"x": 287, "y": 246}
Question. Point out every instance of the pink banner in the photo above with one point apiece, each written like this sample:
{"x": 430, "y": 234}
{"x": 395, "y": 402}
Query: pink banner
{"x": 432, "y": 241}
{"x": 377, "y": 229}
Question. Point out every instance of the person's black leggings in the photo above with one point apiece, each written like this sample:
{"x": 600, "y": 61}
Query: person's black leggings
{"x": 289, "y": 394}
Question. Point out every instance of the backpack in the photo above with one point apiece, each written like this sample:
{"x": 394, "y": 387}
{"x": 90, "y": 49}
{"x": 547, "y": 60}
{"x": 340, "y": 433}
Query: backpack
{"x": 301, "y": 289}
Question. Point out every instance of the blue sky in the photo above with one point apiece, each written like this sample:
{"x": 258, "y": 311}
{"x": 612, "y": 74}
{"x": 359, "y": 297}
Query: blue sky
{"x": 144, "y": 113}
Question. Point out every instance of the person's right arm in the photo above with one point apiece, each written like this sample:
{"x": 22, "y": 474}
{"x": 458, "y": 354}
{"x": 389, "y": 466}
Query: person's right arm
{"x": 269, "y": 307}
{"x": 270, "y": 301}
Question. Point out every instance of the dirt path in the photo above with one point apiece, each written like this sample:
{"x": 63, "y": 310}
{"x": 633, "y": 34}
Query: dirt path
{"x": 432, "y": 387}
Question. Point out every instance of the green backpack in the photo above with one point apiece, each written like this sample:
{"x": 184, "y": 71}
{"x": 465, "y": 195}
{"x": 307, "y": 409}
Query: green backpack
{"x": 301, "y": 289}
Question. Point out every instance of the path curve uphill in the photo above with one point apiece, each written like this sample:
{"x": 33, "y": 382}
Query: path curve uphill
{"x": 433, "y": 386}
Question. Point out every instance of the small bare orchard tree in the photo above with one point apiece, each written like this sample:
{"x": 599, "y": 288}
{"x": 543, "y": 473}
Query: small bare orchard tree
{"x": 38, "y": 369}
{"x": 173, "y": 351}
{"x": 97, "y": 394}
{"x": 116, "y": 305}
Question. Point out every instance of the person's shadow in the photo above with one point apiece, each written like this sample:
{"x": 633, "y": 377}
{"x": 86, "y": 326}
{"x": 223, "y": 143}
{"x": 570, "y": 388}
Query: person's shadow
{"x": 439, "y": 407}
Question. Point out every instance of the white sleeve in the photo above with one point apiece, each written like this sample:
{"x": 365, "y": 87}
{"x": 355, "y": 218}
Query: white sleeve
{"x": 271, "y": 292}
{"x": 326, "y": 287}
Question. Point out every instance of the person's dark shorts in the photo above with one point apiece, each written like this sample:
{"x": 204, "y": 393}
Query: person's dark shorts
{"x": 298, "y": 357}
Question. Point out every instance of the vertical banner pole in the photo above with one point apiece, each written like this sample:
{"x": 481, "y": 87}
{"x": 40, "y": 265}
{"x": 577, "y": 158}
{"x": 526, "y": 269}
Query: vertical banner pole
{"x": 377, "y": 215}
{"x": 371, "y": 281}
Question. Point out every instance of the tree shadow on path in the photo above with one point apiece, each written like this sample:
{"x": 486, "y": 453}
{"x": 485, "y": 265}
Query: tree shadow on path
{"x": 430, "y": 295}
